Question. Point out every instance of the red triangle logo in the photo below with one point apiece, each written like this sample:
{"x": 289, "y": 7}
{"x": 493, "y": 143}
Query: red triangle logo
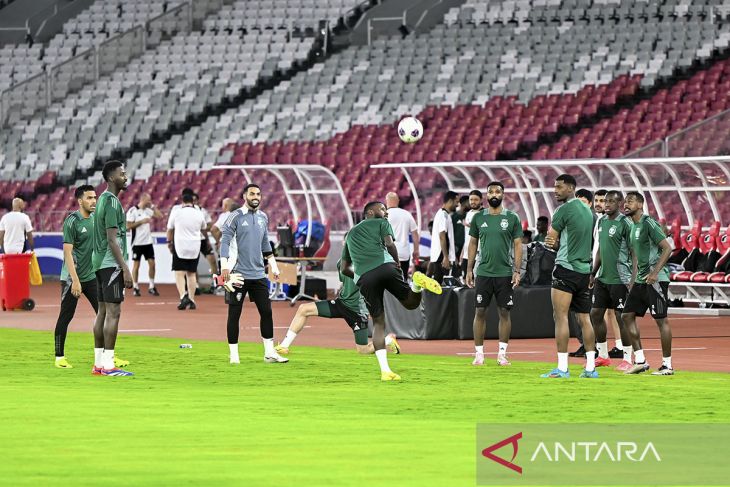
{"x": 488, "y": 452}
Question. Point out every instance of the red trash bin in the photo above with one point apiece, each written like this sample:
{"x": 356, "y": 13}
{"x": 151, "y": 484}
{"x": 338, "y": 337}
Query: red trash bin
{"x": 15, "y": 282}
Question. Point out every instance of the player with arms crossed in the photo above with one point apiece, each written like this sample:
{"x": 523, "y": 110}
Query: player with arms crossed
{"x": 651, "y": 288}
{"x": 370, "y": 258}
{"x": 498, "y": 232}
{"x": 110, "y": 265}
{"x": 611, "y": 277}
{"x": 570, "y": 235}
{"x": 77, "y": 275}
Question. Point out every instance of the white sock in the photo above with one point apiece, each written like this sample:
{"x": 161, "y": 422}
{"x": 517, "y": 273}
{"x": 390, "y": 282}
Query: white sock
{"x": 502, "y": 348}
{"x": 135, "y": 285}
{"x": 98, "y": 360}
{"x": 667, "y": 362}
{"x": 639, "y": 356}
{"x": 619, "y": 344}
{"x": 288, "y": 339}
{"x": 563, "y": 361}
{"x": 60, "y": 358}
{"x": 415, "y": 287}
{"x": 479, "y": 348}
{"x": 602, "y": 349}
{"x": 591, "y": 361}
{"x": 627, "y": 353}
{"x": 108, "y": 359}
{"x": 269, "y": 347}
{"x": 388, "y": 339}
{"x": 382, "y": 356}
{"x": 233, "y": 351}
{"x": 152, "y": 283}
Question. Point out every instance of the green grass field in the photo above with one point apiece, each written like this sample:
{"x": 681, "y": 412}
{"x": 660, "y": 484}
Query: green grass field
{"x": 190, "y": 418}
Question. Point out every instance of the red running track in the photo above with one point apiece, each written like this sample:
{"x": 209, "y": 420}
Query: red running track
{"x": 701, "y": 343}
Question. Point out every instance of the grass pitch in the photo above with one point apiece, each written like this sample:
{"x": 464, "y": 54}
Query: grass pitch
{"x": 190, "y": 418}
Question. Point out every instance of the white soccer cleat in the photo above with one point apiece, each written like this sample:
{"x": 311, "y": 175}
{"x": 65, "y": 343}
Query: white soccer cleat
{"x": 275, "y": 359}
{"x": 235, "y": 360}
{"x": 478, "y": 359}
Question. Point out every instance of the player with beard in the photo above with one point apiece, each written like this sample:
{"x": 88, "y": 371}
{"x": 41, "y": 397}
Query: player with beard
{"x": 475, "y": 206}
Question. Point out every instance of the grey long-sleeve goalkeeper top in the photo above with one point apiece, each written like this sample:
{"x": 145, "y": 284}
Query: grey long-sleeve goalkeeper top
{"x": 249, "y": 228}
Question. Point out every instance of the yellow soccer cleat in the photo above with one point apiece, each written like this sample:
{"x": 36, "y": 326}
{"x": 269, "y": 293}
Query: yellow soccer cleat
{"x": 393, "y": 347}
{"x": 386, "y": 376}
{"x": 281, "y": 350}
{"x": 423, "y": 281}
{"x": 120, "y": 363}
{"x": 62, "y": 363}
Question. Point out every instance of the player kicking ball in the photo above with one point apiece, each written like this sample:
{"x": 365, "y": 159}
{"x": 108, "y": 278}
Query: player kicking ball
{"x": 349, "y": 306}
{"x": 370, "y": 258}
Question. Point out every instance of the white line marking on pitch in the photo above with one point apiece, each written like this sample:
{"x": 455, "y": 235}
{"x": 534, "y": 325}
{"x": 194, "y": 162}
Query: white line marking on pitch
{"x": 495, "y": 353}
{"x": 676, "y": 348}
{"x": 155, "y": 303}
{"x": 145, "y": 329}
{"x": 277, "y": 327}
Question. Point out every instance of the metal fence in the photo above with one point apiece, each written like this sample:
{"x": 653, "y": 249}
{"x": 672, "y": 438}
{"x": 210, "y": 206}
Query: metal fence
{"x": 121, "y": 49}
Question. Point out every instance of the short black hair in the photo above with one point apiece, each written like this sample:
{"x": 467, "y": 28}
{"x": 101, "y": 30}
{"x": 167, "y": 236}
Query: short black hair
{"x": 449, "y": 195}
{"x": 617, "y": 193}
{"x": 109, "y": 168}
{"x": 249, "y": 186}
{"x": 567, "y": 179}
{"x": 584, "y": 193}
{"x": 20, "y": 197}
{"x": 496, "y": 183}
{"x": 600, "y": 192}
{"x": 464, "y": 199}
{"x": 475, "y": 192}
{"x": 187, "y": 197}
{"x": 636, "y": 195}
{"x": 527, "y": 233}
{"x": 369, "y": 206}
{"x": 187, "y": 191}
{"x": 79, "y": 193}
{"x": 543, "y": 219}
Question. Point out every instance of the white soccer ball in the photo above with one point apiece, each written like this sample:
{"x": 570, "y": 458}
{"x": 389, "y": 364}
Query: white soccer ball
{"x": 410, "y": 130}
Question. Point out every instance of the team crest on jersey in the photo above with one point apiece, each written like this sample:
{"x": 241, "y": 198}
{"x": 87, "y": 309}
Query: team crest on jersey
{"x": 612, "y": 231}
{"x": 479, "y": 298}
{"x": 504, "y": 224}
{"x": 637, "y": 232}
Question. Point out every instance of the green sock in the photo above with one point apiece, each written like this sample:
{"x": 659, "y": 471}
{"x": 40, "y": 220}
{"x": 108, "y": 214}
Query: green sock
{"x": 361, "y": 336}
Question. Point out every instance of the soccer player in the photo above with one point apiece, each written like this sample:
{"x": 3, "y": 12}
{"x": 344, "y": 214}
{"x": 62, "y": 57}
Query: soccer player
{"x": 404, "y": 225}
{"x": 77, "y": 275}
{"x": 651, "y": 287}
{"x": 475, "y": 206}
{"x": 499, "y": 232}
{"x": 611, "y": 276}
{"x": 570, "y": 235}
{"x": 138, "y": 221}
{"x": 350, "y": 306}
{"x": 205, "y": 248}
{"x": 371, "y": 259}
{"x": 457, "y": 219}
{"x": 442, "y": 238}
{"x": 542, "y": 229}
{"x": 109, "y": 260}
{"x": 248, "y": 226}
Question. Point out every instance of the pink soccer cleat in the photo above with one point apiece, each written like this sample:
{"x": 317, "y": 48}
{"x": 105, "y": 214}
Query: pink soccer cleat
{"x": 478, "y": 359}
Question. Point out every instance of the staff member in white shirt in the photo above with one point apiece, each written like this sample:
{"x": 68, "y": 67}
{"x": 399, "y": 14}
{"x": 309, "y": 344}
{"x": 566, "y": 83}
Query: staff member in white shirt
{"x": 443, "y": 252}
{"x": 228, "y": 205}
{"x": 205, "y": 248}
{"x": 15, "y": 227}
{"x": 403, "y": 225}
{"x": 138, "y": 221}
{"x": 183, "y": 233}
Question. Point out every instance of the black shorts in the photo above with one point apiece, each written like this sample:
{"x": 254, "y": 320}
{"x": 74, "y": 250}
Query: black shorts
{"x": 257, "y": 290}
{"x": 373, "y": 284}
{"x": 146, "y": 251}
{"x": 576, "y": 284}
{"x": 499, "y": 287}
{"x": 335, "y": 308}
{"x": 653, "y": 297}
{"x": 110, "y": 285}
{"x": 609, "y": 296}
{"x": 186, "y": 265}
{"x": 205, "y": 247}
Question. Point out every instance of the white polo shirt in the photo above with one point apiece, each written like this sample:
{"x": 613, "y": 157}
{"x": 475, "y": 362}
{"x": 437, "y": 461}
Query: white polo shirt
{"x": 15, "y": 224}
{"x": 442, "y": 222}
{"x": 142, "y": 235}
{"x": 187, "y": 221}
{"x": 403, "y": 224}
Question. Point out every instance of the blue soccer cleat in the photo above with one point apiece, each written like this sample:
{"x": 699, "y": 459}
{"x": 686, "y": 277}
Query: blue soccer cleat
{"x": 556, "y": 374}
{"x": 115, "y": 372}
{"x": 593, "y": 374}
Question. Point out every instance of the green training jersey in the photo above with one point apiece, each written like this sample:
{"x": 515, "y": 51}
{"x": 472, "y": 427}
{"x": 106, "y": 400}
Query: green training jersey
{"x": 574, "y": 220}
{"x": 645, "y": 238}
{"x": 79, "y": 232}
{"x": 540, "y": 237}
{"x": 613, "y": 246}
{"x": 109, "y": 214}
{"x": 366, "y": 245}
{"x": 496, "y": 235}
{"x": 350, "y": 294}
